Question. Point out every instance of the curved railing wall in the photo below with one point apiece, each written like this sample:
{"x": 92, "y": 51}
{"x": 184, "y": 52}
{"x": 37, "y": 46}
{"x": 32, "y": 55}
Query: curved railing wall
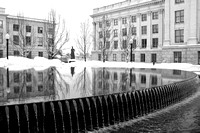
{"x": 92, "y": 113}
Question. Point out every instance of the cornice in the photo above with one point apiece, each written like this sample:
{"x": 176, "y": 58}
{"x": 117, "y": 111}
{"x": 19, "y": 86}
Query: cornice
{"x": 128, "y": 7}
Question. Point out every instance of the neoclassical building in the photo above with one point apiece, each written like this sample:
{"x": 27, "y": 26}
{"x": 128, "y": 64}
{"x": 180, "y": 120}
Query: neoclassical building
{"x": 148, "y": 31}
{"x": 27, "y": 35}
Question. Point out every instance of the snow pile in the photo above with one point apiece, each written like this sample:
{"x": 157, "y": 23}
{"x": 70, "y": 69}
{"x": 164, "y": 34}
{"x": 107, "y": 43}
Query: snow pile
{"x": 38, "y": 63}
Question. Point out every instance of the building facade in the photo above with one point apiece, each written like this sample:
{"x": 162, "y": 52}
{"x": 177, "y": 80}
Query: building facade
{"x": 148, "y": 31}
{"x": 28, "y": 36}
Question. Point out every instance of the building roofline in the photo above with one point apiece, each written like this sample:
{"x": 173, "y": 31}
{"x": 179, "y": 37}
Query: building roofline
{"x": 117, "y": 7}
{"x": 28, "y": 18}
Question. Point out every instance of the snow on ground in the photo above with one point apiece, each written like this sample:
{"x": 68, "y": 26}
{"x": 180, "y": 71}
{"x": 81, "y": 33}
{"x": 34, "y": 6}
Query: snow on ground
{"x": 40, "y": 63}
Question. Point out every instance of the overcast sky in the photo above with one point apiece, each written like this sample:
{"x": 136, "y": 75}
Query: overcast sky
{"x": 74, "y": 12}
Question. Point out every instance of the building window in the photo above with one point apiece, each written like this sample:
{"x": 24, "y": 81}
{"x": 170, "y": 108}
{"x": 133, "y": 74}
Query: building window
{"x": 124, "y": 44}
{"x": 100, "y": 34}
{"x": 144, "y": 30}
{"x": 155, "y": 15}
{"x": 100, "y": 24}
{"x": 28, "y": 88}
{"x": 1, "y": 38}
{"x": 179, "y": 1}
{"x": 115, "y": 21}
{"x": 99, "y": 57}
{"x": 124, "y": 21}
{"x": 133, "y": 29}
{"x": 40, "y": 30}
{"x": 1, "y": 53}
{"x": 142, "y": 57}
{"x": 108, "y": 23}
{"x": 134, "y": 44}
{"x": 28, "y": 77}
{"x": 155, "y": 42}
{"x": 133, "y": 19}
{"x": 124, "y": 32}
{"x": 179, "y": 16}
{"x": 133, "y": 57}
{"x": 16, "y": 53}
{"x": 107, "y": 34}
{"x": 16, "y": 89}
{"x": 177, "y": 57}
{"x": 143, "y": 79}
{"x": 100, "y": 45}
{"x": 115, "y": 44}
{"x": 123, "y": 57}
{"x": 176, "y": 72}
{"x": 1, "y": 24}
{"x": 114, "y": 57}
{"x": 40, "y": 41}
{"x": 16, "y": 77}
{"x": 40, "y": 54}
{"x": 153, "y": 58}
{"x": 155, "y": 28}
{"x": 179, "y": 36}
{"x": 154, "y": 80}
{"x": 198, "y": 57}
{"x": 107, "y": 44}
{"x": 40, "y": 88}
{"x": 15, "y": 27}
{"x": 115, "y": 33}
{"x": 50, "y": 41}
{"x": 106, "y": 57}
{"x": 40, "y": 76}
{"x": 144, "y": 43}
{"x": 144, "y": 17}
{"x": 16, "y": 40}
{"x": 28, "y": 28}
{"x": 115, "y": 76}
{"x": 50, "y": 31}
{"x": 29, "y": 55}
{"x": 28, "y": 40}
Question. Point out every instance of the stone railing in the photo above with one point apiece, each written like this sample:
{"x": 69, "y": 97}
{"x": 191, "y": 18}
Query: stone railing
{"x": 92, "y": 113}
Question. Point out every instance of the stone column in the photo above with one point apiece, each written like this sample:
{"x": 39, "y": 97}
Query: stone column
{"x": 138, "y": 38}
{"x": 149, "y": 29}
{"x": 193, "y": 22}
{"x": 161, "y": 28}
{"x": 94, "y": 37}
{"x": 167, "y": 12}
{"x": 120, "y": 33}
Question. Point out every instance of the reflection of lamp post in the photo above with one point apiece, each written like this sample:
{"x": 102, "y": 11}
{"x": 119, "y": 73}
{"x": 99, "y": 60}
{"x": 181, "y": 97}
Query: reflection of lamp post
{"x": 8, "y": 86}
{"x": 7, "y": 39}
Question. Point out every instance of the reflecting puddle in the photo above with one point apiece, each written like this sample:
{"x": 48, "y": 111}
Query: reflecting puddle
{"x": 28, "y": 86}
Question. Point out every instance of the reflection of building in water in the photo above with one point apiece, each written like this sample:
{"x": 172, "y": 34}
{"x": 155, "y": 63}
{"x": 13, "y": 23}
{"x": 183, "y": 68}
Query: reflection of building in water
{"x": 3, "y": 93}
{"x": 30, "y": 83}
{"x": 113, "y": 80}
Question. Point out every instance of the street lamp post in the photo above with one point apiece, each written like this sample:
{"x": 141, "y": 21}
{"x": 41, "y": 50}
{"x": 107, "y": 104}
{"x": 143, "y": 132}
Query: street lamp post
{"x": 7, "y": 41}
{"x": 131, "y": 57}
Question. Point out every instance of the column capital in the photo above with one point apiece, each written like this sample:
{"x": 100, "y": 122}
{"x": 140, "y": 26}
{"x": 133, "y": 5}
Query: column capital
{"x": 149, "y": 12}
{"x": 94, "y": 23}
{"x": 138, "y": 14}
{"x": 161, "y": 11}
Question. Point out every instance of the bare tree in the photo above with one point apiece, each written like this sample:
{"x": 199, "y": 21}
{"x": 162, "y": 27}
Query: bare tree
{"x": 25, "y": 41}
{"x": 107, "y": 37}
{"x": 57, "y": 34}
{"x": 127, "y": 38}
{"x": 83, "y": 83}
{"x": 84, "y": 40}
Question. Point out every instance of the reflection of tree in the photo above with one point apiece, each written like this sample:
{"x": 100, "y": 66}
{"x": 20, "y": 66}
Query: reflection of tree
{"x": 57, "y": 82}
{"x": 83, "y": 83}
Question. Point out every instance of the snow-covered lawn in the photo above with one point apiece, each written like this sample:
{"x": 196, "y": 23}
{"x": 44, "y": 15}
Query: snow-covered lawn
{"x": 39, "y": 63}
